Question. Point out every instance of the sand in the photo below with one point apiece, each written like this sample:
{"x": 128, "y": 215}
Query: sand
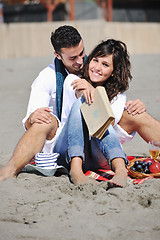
{"x": 37, "y": 207}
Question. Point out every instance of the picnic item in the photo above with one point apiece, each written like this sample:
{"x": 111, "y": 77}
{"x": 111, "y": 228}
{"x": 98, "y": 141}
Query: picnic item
{"x": 44, "y": 163}
{"x": 154, "y": 149}
{"x": 136, "y": 172}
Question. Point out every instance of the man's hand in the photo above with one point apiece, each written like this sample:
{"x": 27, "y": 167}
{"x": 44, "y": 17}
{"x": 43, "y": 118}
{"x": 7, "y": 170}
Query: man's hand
{"x": 41, "y": 115}
{"x": 83, "y": 87}
{"x": 135, "y": 107}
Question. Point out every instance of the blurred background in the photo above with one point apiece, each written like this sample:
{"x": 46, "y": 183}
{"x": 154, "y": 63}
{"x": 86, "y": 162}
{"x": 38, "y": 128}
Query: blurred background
{"x": 25, "y": 49}
{"x": 61, "y": 10}
{"x": 26, "y": 25}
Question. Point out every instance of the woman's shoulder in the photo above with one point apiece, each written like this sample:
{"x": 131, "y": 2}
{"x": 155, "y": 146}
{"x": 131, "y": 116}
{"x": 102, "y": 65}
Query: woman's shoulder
{"x": 121, "y": 97}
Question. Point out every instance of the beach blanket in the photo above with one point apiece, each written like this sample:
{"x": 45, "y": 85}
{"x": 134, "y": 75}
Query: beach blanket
{"x": 106, "y": 175}
{"x": 46, "y": 165}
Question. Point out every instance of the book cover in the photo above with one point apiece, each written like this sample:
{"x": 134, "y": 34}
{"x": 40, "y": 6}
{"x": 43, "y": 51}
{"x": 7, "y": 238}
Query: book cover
{"x": 98, "y": 115}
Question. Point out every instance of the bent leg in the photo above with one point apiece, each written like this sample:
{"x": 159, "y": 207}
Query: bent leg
{"x": 30, "y": 143}
{"x": 110, "y": 146}
{"x": 112, "y": 151}
{"x": 73, "y": 142}
{"x": 146, "y": 126}
{"x": 70, "y": 144}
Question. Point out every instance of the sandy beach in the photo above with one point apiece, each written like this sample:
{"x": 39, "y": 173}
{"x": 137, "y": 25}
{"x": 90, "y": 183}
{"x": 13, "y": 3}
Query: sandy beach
{"x": 34, "y": 207}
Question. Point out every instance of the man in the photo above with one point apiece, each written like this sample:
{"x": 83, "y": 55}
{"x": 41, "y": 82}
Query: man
{"x": 46, "y": 92}
{"x": 43, "y": 127}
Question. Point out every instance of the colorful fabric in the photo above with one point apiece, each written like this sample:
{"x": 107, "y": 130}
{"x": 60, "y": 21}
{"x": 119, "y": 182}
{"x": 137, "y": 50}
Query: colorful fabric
{"x": 107, "y": 174}
{"x": 46, "y": 164}
{"x": 46, "y": 160}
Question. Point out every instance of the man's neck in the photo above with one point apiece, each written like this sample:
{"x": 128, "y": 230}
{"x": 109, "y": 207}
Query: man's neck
{"x": 73, "y": 72}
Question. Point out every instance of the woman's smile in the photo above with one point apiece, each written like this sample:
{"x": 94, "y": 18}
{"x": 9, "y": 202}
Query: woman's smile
{"x": 100, "y": 69}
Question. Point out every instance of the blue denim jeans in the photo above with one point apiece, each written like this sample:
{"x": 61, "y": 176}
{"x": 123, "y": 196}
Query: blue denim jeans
{"x": 74, "y": 140}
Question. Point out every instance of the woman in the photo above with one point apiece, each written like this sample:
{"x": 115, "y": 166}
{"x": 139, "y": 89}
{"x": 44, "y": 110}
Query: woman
{"x": 115, "y": 80}
{"x": 108, "y": 65}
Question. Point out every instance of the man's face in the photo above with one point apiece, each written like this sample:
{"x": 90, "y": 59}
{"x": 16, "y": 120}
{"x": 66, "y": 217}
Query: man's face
{"x": 72, "y": 57}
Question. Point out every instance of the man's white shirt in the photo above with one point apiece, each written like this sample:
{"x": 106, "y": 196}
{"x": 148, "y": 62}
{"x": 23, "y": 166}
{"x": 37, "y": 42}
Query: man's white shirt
{"x": 43, "y": 94}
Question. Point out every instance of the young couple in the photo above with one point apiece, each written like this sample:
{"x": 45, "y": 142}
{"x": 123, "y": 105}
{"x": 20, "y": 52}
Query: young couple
{"x": 43, "y": 126}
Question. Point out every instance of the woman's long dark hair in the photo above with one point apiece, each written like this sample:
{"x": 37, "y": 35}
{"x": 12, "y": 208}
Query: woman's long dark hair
{"x": 118, "y": 82}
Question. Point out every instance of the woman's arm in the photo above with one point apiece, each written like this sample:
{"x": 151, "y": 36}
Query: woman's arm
{"x": 73, "y": 88}
{"x": 118, "y": 106}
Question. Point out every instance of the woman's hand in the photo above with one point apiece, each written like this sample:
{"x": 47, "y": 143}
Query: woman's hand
{"x": 83, "y": 87}
{"x": 135, "y": 107}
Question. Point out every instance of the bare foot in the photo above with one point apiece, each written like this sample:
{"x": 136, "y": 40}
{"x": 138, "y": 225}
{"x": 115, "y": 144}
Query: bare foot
{"x": 6, "y": 173}
{"x": 76, "y": 173}
{"x": 80, "y": 179}
{"x": 119, "y": 179}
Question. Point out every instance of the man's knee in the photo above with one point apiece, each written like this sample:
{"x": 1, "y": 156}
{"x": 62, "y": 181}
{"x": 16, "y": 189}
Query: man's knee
{"x": 49, "y": 129}
{"x": 53, "y": 126}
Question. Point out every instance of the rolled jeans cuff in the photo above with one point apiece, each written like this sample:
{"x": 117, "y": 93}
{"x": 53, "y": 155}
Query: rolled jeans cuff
{"x": 117, "y": 153}
{"x": 75, "y": 151}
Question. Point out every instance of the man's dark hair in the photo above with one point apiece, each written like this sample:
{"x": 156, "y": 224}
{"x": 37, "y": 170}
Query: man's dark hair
{"x": 65, "y": 37}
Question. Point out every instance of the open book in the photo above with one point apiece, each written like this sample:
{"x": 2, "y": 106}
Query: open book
{"x": 98, "y": 115}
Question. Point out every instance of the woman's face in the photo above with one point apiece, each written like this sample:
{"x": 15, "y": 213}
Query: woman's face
{"x": 100, "y": 69}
